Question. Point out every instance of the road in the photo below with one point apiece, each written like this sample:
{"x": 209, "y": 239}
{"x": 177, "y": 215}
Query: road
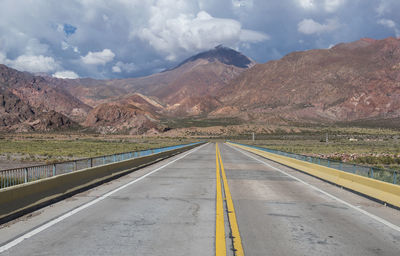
{"x": 170, "y": 209}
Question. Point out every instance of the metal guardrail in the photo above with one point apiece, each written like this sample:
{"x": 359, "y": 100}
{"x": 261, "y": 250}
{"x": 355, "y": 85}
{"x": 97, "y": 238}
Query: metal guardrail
{"x": 12, "y": 177}
{"x": 386, "y": 175}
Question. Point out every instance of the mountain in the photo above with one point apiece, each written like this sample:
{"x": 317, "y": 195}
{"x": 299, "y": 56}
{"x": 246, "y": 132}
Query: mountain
{"x": 137, "y": 104}
{"x": 351, "y": 83}
{"x": 200, "y": 75}
{"x": 224, "y": 55}
{"x": 134, "y": 114}
{"x": 39, "y": 93}
{"x": 16, "y": 115}
{"x": 348, "y": 82}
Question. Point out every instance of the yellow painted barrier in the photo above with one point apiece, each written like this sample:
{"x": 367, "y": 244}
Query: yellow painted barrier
{"x": 20, "y": 199}
{"x": 383, "y": 191}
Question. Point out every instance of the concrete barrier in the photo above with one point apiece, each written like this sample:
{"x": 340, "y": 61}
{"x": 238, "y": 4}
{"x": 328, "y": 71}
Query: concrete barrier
{"x": 20, "y": 199}
{"x": 382, "y": 191}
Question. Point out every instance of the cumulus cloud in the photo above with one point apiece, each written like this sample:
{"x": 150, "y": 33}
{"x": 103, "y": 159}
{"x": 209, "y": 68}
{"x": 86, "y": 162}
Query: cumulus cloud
{"x": 309, "y": 26}
{"x": 317, "y": 5}
{"x": 67, "y": 74}
{"x": 333, "y": 5}
{"x": 171, "y": 34}
{"x": 126, "y": 67}
{"x": 33, "y": 63}
{"x": 306, "y": 4}
{"x": 98, "y": 58}
{"x": 390, "y": 24}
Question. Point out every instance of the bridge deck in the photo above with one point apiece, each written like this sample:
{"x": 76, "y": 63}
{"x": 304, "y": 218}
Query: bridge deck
{"x": 171, "y": 211}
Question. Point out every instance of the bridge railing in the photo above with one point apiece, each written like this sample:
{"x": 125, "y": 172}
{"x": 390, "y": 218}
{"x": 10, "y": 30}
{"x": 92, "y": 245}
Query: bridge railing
{"x": 12, "y": 177}
{"x": 387, "y": 175}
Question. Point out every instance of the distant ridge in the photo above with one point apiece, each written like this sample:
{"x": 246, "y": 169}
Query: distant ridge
{"x": 224, "y": 55}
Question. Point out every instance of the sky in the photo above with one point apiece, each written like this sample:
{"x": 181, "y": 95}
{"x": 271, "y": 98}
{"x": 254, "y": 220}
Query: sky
{"x": 131, "y": 38}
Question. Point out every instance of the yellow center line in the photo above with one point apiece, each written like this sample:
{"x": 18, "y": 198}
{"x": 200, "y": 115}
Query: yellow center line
{"x": 237, "y": 241}
{"x": 220, "y": 245}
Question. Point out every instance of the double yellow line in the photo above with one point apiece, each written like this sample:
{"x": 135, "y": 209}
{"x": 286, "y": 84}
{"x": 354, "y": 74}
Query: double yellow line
{"x": 220, "y": 244}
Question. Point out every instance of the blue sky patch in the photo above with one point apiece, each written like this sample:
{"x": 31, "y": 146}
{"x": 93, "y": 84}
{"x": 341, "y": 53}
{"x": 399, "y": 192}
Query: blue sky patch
{"x": 69, "y": 29}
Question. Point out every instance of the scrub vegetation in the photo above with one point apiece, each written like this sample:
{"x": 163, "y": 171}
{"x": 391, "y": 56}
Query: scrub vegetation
{"x": 44, "y": 148}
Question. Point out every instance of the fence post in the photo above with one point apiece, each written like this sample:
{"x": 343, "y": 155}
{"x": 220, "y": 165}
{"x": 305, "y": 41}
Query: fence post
{"x": 91, "y": 162}
{"x": 54, "y": 169}
{"x": 26, "y": 175}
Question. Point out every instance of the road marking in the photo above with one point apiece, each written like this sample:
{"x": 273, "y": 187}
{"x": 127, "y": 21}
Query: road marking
{"x": 81, "y": 208}
{"x": 237, "y": 241}
{"x": 220, "y": 243}
{"x": 379, "y": 219}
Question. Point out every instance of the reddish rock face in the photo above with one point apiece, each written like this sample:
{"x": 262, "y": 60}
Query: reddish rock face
{"x": 348, "y": 82}
{"x": 39, "y": 93}
{"x": 17, "y": 115}
{"x": 120, "y": 117}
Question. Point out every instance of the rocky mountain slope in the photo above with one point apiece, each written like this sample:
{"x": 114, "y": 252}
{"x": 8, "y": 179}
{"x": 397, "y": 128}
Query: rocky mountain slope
{"x": 17, "y": 115}
{"x": 350, "y": 81}
{"x": 41, "y": 94}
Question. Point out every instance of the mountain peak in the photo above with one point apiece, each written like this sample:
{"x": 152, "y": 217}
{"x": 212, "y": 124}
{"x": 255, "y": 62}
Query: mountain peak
{"x": 224, "y": 55}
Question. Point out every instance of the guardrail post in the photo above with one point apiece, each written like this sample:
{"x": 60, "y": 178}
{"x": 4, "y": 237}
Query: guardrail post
{"x": 75, "y": 165}
{"x": 394, "y": 178}
{"x": 341, "y": 166}
{"x": 91, "y": 162}
{"x": 329, "y": 163}
{"x": 371, "y": 170}
{"x": 115, "y": 158}
{"x": 354, "y": 168}
{"x": 54, "y": 169}
{"x": 319, "y": 161}
{"x": 25, "y": 175}
{"x": 104, "y": 160}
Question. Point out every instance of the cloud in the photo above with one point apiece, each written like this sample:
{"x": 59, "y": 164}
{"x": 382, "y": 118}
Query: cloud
{"x": 333, "y": 5}
{"x": 67, "y": 74}
{"x": 309, "y": 26}
{"x": 33, "y": 63}
{"x": 98, "y": 58}
{"x": 126, "y": 67}
{"x": 306, "y": 4}
{"x": 153, "y": 33}
{"x": 317, "y": 5}
{"x": 176, "y": 33}
{"x": 390, "y": 24}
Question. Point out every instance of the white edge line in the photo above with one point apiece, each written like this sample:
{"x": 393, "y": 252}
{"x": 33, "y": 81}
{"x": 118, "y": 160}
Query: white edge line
{"x": 379, "y": 219}
{"x": 82, "y": 207}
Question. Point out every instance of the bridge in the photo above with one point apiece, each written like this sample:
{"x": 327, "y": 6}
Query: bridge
{"x": 211, "y": 200}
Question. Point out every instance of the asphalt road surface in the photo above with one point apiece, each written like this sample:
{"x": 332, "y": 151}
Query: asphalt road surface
{"x": 170, "y": 209}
